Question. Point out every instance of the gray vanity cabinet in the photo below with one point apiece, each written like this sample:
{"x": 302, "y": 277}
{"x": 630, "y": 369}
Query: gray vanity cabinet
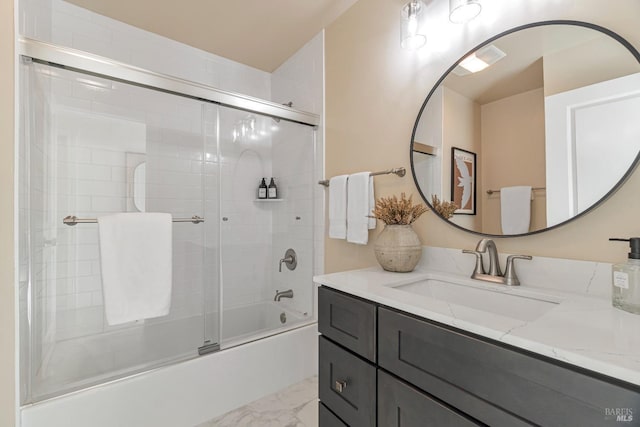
{"x": 468, "y": 372}
{"x": 401, "y": 405}
{"x": 426, "y": 374}
{"x": 347, "y": 371}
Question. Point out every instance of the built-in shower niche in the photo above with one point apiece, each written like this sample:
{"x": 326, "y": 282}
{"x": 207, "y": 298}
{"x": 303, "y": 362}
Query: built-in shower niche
{"x": 91, "y": 146}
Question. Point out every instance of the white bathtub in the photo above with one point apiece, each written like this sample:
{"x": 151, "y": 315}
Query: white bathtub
{"x": 255, "y": 321}
{"x": 259, "y": 356}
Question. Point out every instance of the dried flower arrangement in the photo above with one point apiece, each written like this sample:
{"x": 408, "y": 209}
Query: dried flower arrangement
{"x": 445, "y": 209}
{"x": 394, "y": 211}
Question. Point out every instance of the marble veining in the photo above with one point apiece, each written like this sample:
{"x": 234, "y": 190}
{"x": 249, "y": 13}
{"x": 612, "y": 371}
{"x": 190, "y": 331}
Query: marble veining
{"x": 587, "y": 277}
{"x": 295, "y": 406}
{"x": 581, "y": 328}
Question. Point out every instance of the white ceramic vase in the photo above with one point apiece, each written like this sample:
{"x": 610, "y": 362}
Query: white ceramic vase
{"x": 398, "y": 248}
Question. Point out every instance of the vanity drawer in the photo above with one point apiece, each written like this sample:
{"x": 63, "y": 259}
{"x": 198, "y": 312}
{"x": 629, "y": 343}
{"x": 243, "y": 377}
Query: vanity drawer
{"x": 347, "y": 385}
{"x": 466, "y": 372}
{"x": 400, "y": 405}
{"x": 349, "y": 321}
{"x": 328, "y": 418}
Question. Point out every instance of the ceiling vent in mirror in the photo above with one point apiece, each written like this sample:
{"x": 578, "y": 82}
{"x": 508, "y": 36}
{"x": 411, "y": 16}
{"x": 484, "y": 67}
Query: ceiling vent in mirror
{"x": 479, "y": 60}
{"x": 462, "y": 11}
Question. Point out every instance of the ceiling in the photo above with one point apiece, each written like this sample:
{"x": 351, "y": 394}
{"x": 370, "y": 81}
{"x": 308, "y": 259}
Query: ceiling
{"x": 522, "y": 69}
{"x": 259, "y": 33}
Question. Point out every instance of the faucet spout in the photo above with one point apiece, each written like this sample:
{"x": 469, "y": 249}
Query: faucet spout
{"x": 489, "y": 245}
{"x": 495, "y": 275}
{"x": 284, "y": 294}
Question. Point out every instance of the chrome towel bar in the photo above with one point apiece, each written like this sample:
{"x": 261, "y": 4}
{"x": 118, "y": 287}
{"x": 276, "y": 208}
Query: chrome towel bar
{"x": 73, "y": 220}
{"x": 490, "y": 192}
{"x": 396, "y": 171}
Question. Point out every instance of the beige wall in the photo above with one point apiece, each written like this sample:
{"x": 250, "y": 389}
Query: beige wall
{"x": 374, "y": 91}
{"x": 461, "y": 129}
{"x": 7, "y": 287}
{"x": 593, "y": 62}
{"x": 513, "y": 128}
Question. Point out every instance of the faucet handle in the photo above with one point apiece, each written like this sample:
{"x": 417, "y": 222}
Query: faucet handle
{"x": 479, "y": 268}
{"x": 510, "y": 277}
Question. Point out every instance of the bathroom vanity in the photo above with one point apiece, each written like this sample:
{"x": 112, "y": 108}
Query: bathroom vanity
{"x": 410, "y": 350}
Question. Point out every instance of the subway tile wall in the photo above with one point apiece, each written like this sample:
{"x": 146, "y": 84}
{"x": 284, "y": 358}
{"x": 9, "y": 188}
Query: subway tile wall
{"x": 89, "y": 165}
{"x": 65, "y": 24}
{"x": 300, "y": 80}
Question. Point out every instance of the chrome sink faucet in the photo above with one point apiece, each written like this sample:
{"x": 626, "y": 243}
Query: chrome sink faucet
{"x": 495, "y": 275}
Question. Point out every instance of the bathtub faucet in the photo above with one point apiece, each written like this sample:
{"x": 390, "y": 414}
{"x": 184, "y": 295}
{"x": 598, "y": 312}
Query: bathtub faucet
{"x": 284, "y": 294}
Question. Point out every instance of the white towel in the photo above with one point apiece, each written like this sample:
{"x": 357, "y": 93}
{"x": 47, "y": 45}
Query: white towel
{"x": 135, "y": 255}
{"x": 515, "y": 209}
{"x": 338, "y": 207}
{"x": 372, "y": 204}
{"x": 359, "y": 197}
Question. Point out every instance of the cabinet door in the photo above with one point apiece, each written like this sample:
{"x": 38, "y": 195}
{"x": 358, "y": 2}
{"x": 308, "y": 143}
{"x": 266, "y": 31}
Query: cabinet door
{"x": 497, "y": 385}
{"x": 349, "y": 321}
{"x": 328, "y": 418}
{"x": 347, "y": 385}
{"x": 400, "y": 405}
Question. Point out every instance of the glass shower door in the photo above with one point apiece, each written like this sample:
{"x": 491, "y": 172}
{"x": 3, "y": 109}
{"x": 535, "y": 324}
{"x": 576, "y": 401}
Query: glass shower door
{"x": 91, "y": 147}
{"x": 256, "y": 233}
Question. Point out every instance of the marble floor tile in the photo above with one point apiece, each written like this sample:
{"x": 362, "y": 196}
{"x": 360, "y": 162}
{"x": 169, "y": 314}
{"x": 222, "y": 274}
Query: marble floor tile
{"x": 295, "y": 406}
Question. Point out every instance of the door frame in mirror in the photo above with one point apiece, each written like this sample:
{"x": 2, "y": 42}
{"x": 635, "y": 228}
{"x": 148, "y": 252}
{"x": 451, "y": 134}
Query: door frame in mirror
{"x": 616, "y": 187}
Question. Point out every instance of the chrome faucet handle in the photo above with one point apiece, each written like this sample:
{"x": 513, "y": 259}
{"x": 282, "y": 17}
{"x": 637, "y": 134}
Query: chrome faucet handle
{"x": 479, "y": 268}
{"x": 290, "y": 258}
{"x": 286, "y": 260}
{"x": 510, "y": 277}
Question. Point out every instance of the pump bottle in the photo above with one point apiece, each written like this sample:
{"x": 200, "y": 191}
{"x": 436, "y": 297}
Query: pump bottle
{"x": 625, "y": 291}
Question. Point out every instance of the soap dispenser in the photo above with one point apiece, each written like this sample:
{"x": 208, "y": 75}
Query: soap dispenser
{"x": 625, "y": 292}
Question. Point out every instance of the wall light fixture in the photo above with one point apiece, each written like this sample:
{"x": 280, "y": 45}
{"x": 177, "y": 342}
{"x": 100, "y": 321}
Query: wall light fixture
{"x": 412, "y": 25}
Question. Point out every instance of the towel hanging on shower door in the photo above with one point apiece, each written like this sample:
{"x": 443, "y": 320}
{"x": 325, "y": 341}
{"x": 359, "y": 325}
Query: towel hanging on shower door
{"x": 135, "y": 256}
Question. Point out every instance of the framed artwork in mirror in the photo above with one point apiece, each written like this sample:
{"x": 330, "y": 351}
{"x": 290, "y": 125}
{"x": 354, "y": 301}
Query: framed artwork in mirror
{"x": 463, "y": 181}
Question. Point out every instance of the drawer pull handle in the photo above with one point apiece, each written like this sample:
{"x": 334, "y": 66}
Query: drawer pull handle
{"x": 340, "y": 386}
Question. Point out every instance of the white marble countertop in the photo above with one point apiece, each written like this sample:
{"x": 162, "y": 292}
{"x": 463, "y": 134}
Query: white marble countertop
{"x": 579, "y": 329}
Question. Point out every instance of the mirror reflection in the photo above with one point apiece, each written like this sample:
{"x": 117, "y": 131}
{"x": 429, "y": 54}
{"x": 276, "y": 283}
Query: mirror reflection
{"x": 531, "y": 129}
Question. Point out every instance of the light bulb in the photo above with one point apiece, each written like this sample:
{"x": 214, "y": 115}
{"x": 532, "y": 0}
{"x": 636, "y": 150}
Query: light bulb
{"x": 412, "y": 27}
{"x": 412, "y": 17}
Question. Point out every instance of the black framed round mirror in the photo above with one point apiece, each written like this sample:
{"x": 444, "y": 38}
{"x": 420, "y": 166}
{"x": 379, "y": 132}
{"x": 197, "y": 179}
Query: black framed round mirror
{"x": 531, "y": 129}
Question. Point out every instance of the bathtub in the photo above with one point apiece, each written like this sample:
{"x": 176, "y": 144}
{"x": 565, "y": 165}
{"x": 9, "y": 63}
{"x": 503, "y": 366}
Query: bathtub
{"x": 255, "y": 321}
{"x": 260, "y": 355}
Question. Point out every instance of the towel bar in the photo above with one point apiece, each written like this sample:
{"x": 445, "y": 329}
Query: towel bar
{"x": 490, "y": 192}
{"x": 396, "y": 171}
{"x": 72, "y": 220}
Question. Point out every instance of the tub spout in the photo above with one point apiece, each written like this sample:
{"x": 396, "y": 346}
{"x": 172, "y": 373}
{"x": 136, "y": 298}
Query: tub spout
{"x": 284, "y": 294}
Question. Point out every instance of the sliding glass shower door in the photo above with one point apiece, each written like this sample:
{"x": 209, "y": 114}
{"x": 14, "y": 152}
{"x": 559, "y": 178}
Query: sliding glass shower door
{"x": 256, "y": 233}
{"x": 93, "y": 146}
{"x": 90, "y": 147}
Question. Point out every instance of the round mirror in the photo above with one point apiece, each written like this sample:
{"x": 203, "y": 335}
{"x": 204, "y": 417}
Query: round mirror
{"x": 529, "y": 130}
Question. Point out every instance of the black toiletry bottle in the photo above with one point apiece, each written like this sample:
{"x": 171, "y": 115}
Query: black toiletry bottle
{"x": 262, "y": 190}
{"x": 273, "y": 190}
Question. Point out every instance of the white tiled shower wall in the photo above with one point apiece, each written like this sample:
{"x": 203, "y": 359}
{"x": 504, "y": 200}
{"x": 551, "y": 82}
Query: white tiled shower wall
{"x": 299, "y": 80}
{"x": 65, "y": 24}
{"x": 86, "y": 175}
